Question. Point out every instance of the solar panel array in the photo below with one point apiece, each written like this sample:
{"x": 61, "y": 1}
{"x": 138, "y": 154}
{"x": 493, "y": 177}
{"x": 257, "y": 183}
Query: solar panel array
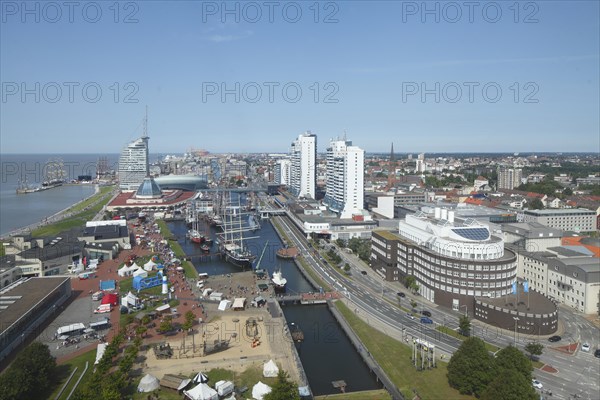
{"x": 473, "y": 233}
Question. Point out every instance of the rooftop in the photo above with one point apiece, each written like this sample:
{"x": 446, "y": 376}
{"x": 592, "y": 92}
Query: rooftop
{"x": 17, "y": 301}
{"x": 106, "y": 232}
{"x": 531, "y": 302}
{"x": 560, "y": 211}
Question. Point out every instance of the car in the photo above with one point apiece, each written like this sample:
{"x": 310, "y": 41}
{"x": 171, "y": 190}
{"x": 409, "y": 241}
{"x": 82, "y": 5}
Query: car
{"x": 425, "y": 320}
{"x": 536, "y": 384}
{"x": 363, "y": 272}
{"x": 400, "y": 294}
{"x": 597, "y": 353}
{"x": 426, "y": 313}
{"x": 585, "y": 347}
{"x": 409, "y": 315}
{"x": 554, "y": 338}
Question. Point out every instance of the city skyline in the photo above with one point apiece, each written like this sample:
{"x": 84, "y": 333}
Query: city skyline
{"x": 429, "y": 81}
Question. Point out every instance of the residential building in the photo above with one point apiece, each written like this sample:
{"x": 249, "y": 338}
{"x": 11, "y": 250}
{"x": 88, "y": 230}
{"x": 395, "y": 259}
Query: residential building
{"x": 134, "y": 164}
{"x": 420, "y": 166}
{"x": 345, "y": 178}
{"x": 303, "y": 165}
{"x": 509, "y": 178}
{"x": 577, "y": 219}
{"x": 282, "y": 171}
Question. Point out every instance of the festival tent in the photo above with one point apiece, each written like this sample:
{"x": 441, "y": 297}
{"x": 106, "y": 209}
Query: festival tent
{"x": 125, "y": 270}
{"x": 130, "y": 300}
{"x": 148, "y": 384}
{"x": 270, "y": 369}
{"x": 110, "y": 298}
{"x": 259, "y": 390}
{"x": 149, "y": 265}
{"x": 224, "y": 305}
{"x": 140, "y": 272}
{"x": 200, "y": 378}
{"x": 202, "y": 392}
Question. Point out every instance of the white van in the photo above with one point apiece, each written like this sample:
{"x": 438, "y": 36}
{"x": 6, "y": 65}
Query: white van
{"x": 98, "y": 296}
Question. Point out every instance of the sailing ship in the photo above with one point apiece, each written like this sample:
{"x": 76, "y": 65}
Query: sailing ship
{"x": 55, "y": 173}
{"x": 231, "y": 241}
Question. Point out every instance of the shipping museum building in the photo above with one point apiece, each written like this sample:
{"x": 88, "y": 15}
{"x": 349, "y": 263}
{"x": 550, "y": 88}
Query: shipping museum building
{"x": 459, "y": 264}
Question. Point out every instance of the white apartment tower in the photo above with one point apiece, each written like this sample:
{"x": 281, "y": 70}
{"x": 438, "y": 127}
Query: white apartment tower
{"x": 282, "y": 171}
{"x": 420, "y": 166}
{"x": 509, "y": 178}
{"x": 134, "y": 162}
{"x": 345, "y": 178}
{"x": 303, "y": 167}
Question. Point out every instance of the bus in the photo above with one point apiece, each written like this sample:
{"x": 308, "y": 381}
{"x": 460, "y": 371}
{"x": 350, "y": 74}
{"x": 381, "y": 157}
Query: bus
{"x": 68, "y": 330}
{"x": 99, "y": 325}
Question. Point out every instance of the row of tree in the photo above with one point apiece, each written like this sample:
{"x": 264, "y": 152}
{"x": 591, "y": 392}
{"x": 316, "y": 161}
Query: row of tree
{"x": 30, "y": 375}
{"x": 506, "y": 376}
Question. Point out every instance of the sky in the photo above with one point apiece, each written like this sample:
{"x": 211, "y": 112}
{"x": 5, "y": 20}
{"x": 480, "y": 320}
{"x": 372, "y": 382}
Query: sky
{"x": 251, "y": 76}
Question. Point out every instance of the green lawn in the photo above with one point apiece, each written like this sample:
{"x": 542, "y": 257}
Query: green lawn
{"x": 65, "y": 370}
{"x": 366, "y": 395}
{"x": 451, "y": 332}
{"x": 394, "y": 358}
{"x": 314, "y": 275}
{"x": 77, "y": 220}
{"x": 188, "y": 268}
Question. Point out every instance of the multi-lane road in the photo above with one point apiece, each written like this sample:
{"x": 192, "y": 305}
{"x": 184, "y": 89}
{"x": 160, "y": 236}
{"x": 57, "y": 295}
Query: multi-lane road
{"x": 376, "y": 300}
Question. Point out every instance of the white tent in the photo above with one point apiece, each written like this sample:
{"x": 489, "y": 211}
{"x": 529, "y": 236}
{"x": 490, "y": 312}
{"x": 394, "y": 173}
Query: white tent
{"x": 140, "y": 272}
{"x": 124, "y": 271}
{"x": 148, "y": 383}
{"x": 259, "y": 390}
{"x": 224, "y": 305}
{"x": 200, "y": 378}
{"x": 224, "y": 388}
{"x": 129, "y": 299}
{"x": 100, "y": 352}
{"x": 134, "y": 266}
{"x": 202, "y": 392}
{"x": 150, "y": 265}
{"x": 270, "y": 369}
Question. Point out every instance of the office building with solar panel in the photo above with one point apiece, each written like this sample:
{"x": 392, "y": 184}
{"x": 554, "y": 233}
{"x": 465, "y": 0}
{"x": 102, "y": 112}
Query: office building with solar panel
{"x": 453, "y": 260}
{"x": 460, "y": 264}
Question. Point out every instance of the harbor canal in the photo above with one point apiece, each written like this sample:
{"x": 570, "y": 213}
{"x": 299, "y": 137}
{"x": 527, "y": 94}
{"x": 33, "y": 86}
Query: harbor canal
{"x": 326, "y": 353}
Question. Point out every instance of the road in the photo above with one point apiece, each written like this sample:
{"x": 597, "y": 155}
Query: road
{"x": 375, "y": 299}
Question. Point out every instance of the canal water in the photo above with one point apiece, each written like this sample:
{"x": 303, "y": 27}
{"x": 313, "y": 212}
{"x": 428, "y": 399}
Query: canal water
{"x": 326, "y": 353}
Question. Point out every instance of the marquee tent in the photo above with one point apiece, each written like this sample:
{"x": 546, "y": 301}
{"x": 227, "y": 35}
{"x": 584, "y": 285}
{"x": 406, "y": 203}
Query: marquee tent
{"x": 260, "y": 390}
{"x": 270, "y": 369}
{"x": 148, "y": 384}
{"x": 202, "y": 392}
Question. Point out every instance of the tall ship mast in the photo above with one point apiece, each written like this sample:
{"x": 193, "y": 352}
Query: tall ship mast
{"x": 231, "y": 242}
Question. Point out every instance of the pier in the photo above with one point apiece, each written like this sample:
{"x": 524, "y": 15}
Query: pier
{"x": 307, "y": 298}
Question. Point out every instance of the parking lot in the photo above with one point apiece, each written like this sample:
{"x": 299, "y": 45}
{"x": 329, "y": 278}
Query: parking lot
{"x": 81, "y": 310}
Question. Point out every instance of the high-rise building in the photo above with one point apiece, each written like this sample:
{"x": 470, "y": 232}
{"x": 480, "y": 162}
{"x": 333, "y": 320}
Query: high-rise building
{"x": 303, "y": 165}
{"x": 345, "y": 178}
{"x": 509, "y": 178}
{"x": 282, "y": 171}
{"x": 420, "y": 166}
{"x": 134, "y": 162}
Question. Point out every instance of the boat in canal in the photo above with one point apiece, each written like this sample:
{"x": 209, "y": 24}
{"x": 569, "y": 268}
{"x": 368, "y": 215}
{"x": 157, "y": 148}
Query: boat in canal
{"x": 278, "y": 281}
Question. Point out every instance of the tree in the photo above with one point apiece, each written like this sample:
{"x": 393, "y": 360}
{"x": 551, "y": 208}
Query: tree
{"x": 346, "y": 267}
{"x": 568, "y": 192}
{"x": 464, "y": 325}
{"x": 283, "y": 389}
{"x": 189, "y": 321}
{"x": 413, "y": 303}
{"x": 471, "y": 368}
{"x": 141, "y": 330}
{"x": 30, "y": 374}
{"x": 536, "y": 204}
{"x": 509, "y": 385}
{"x": 512, "y": 358}
{"x": 340, "y": 242}
{"x": 166, "y": 325}
{"x": 534, "y": 349}
{"x": 409, "y": 280}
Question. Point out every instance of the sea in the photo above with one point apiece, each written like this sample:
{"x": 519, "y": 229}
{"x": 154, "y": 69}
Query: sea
{"x": 20, "y": 210}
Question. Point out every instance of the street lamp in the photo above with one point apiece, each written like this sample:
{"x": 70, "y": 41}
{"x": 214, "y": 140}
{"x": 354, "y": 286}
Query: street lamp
{"x": 516, "y": 319}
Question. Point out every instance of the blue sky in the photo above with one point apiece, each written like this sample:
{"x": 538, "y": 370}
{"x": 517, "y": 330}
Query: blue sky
{"x": 376, "y": 60}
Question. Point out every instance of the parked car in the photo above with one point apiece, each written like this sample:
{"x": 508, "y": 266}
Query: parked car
{"x": 554, "y": 338}
{"x": 426, "y": 313}
{"x": 597, "y": 353}
{"x": 425, "y": 320}
{"x": 363, "y": 272}
{"x": 400, "y": 294}
{"x": 537, "y": 384}
{"x": 585, "y": 347}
